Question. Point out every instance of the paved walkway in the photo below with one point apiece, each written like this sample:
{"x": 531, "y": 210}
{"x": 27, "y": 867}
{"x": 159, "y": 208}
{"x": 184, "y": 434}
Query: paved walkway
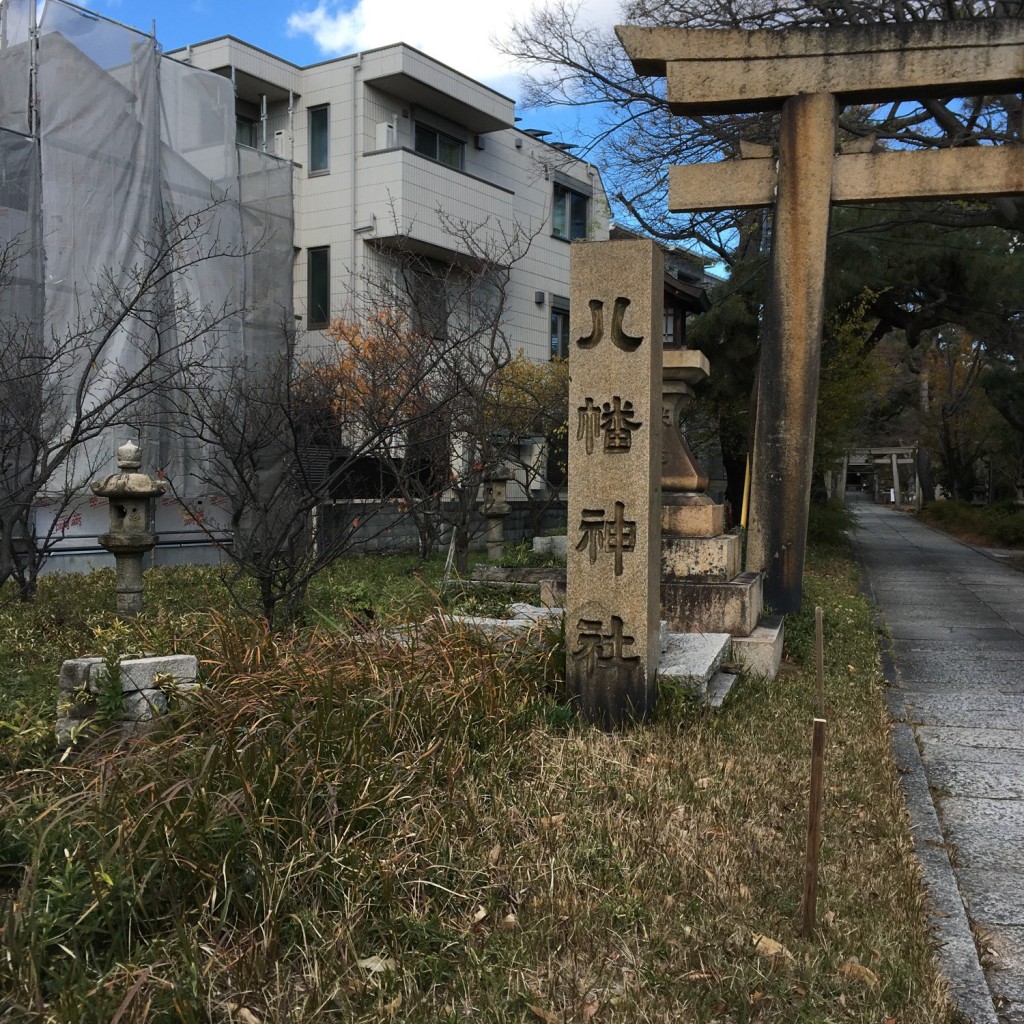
{"x": 957, "y": 622}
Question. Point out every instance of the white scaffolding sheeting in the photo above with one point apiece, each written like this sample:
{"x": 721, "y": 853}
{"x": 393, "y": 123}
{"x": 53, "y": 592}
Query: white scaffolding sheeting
{"x": 105, "y": 146}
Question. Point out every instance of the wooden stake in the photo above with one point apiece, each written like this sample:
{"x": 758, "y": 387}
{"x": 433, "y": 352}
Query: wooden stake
{"x": 819, "y": 647}
{"x": 813, "y": 829}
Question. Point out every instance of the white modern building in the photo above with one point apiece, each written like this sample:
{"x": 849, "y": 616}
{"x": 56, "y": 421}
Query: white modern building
{"x": 320, "y": 174}
{"x": 388, "y": 147}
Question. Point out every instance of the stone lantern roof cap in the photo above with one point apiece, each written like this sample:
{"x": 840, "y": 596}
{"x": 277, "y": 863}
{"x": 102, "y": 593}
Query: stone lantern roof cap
{"x": 128, "y": 483}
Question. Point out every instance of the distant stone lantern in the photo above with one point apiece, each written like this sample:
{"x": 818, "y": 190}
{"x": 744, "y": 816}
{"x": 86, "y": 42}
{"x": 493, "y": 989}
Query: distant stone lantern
{"x": 495, "y": 509}
{"x": 130, "y": 495}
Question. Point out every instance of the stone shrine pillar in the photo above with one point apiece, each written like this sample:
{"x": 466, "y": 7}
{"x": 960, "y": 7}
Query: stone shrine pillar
{"x": 613, "y": 607}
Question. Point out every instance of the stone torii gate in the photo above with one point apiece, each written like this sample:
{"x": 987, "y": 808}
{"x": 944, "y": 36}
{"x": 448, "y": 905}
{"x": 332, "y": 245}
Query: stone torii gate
{"x": 808, "y": 74}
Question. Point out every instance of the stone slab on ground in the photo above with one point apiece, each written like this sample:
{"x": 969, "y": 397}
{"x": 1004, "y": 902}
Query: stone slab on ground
{"x": 144, "y": 682}
{"x": 993, "y": 896}
{"x": 990, "y": 648}
{"x": 927, "y": 701}
{"x": 951, "y": 754}
{"x": 927, "y": 630}
{"x": 535, "y": 613}
{"x": 1004, "y": 687}
{"x": 995, "y": 781}
{"x": 956, "y": 718}
{"x": 719, "y": 688}
{"x": 985, "y": 833}
{"x": 1006, "y": 977}
{"x": 943, "y": 668}
{"x": 692, "y": 659}
{"x": 947, "y": 736}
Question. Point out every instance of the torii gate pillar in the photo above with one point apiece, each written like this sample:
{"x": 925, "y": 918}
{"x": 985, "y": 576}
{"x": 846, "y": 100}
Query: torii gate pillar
{"x": 807, "y": 74}
{"x": 787, "y": 384}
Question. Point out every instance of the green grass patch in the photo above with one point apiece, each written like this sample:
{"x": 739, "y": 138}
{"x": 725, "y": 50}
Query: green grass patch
{"x": 348, "y": 826}
{"x": 1000, "y": 525}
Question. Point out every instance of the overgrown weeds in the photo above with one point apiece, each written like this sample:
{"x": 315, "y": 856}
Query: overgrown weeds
{"x": 385, "y": 825}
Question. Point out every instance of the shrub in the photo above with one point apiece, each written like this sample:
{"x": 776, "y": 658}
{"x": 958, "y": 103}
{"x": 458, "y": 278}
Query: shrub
{"x": 829, "y": 524}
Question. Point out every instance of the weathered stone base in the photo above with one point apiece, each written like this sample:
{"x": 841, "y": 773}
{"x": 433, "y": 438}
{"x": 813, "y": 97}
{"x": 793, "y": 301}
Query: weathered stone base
{"x": 733, "y": 607}
{"x": 692, "y": 520}
{"x": 760, "y": 654}
{"x": 145, "y": 684}
{"x": 711, "y": 559}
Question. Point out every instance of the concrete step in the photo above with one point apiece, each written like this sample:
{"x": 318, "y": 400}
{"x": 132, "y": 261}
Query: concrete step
{"x": 691, "y": 660}
{"x": 760, "y": 654}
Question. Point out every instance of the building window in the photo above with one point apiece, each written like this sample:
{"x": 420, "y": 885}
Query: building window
{"x": 439, "y": 146}
{"x": 318, "y": 287}
{"x": 246, "y": 132}
{"x": 559, "y": 327}
{"x": 569, "y": 213}
{"x": 319, "y": 139}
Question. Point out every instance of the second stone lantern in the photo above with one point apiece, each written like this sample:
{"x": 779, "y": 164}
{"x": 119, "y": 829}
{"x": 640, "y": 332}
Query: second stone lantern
{"x": 131, "y": 495}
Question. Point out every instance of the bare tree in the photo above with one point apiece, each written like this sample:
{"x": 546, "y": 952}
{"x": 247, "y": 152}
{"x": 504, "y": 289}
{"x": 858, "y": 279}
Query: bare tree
{"x": 439, "y": 334}
{"x": 277, "y": 439}
{"x": 65, "y": 386}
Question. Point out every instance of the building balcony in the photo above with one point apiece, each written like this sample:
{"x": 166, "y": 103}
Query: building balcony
{"x": 422, "y": 204}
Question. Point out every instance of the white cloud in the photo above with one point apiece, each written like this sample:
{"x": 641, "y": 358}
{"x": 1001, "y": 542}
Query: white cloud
{"x": 456, "y": 32}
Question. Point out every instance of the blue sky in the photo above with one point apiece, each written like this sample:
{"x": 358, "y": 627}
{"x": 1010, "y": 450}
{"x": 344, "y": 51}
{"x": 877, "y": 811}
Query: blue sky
{"x": 457, "y": 32}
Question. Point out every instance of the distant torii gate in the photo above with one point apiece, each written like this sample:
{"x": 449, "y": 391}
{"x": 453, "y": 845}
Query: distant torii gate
{"x": 808, "y": 74}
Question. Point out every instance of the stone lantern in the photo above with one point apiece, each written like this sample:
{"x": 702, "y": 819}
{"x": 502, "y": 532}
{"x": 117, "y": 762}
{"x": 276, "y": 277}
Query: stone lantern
{"x": 130, "y": 495}
{"x": 495, "y": 509}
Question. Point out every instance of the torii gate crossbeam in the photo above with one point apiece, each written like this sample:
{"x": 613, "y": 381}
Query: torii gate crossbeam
{"x": 808, "y": 74}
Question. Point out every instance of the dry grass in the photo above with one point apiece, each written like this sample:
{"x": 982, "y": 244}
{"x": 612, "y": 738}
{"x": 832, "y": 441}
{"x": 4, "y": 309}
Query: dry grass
{"x": 348, "y": 830}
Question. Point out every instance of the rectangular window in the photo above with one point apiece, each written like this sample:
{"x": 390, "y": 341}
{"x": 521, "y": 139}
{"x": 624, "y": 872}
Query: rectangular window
{"x": 319, "y": 139}
{"x": 569, "y": 213}
{"x": 246, "y": 132}
{"x": 318, "y": 287}
{"x": 438, "y": 146}
{"x": 559, "y": 328}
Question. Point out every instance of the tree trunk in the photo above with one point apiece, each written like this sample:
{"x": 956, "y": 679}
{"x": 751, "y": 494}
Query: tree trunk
{"x": 461, "y": 550}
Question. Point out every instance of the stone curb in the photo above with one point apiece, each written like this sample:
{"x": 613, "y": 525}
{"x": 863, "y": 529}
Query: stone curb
{"x": 956, "y": 952}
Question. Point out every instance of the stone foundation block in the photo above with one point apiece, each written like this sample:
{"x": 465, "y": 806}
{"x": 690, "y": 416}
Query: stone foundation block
{"x": 144, "y": 705}
{"x": 144, "y": 685}
{"x": 74, "y": 697}
{"x": 714, "y": 559}
{"x": 696, "y": 607}
{"x": 760, "y": 654}
{"x": 143, "y": 673}
{"x": 551, "y": 545}
{"x": 693, "y": 520}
